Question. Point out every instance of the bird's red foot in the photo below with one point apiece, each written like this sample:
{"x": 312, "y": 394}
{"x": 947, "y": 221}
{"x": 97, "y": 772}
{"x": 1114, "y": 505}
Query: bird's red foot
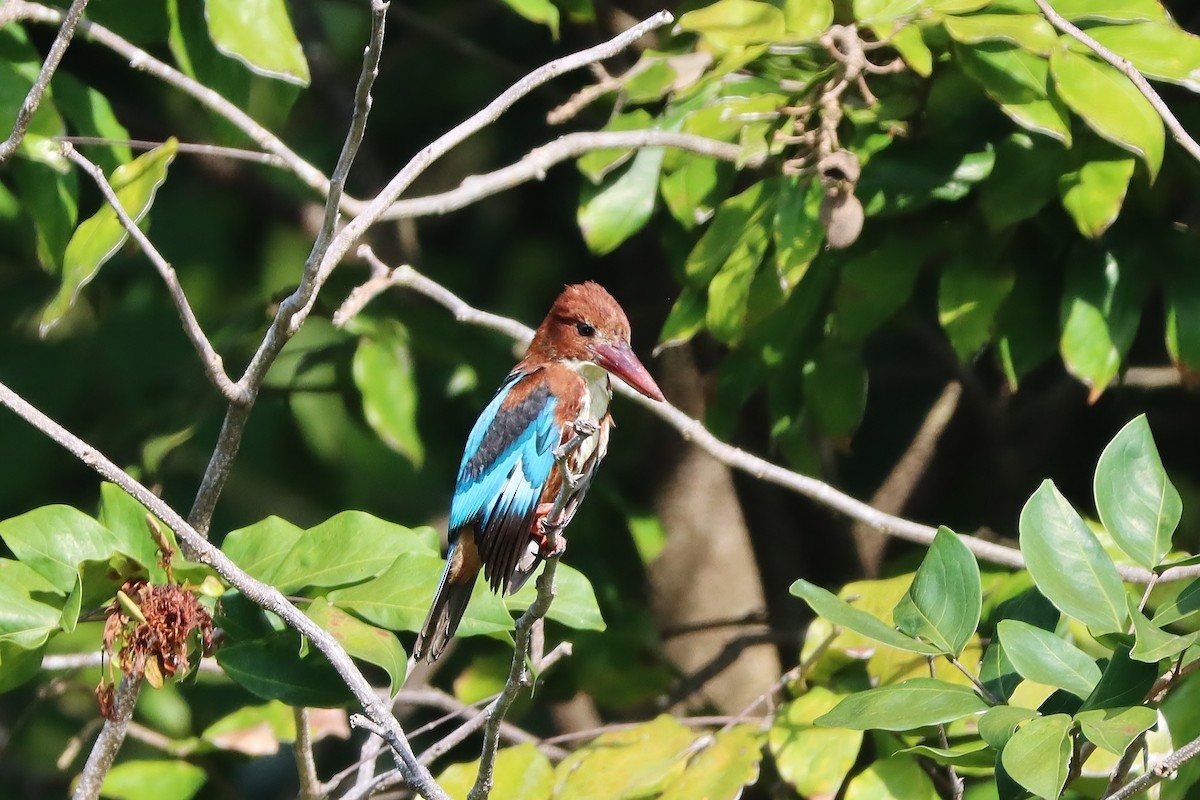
{"x": 540, "y": 536}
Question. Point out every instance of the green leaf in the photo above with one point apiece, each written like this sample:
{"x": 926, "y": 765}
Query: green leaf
{"x": 383, "y": 373}
{"x": 1018, "y": 81}
{"x": 597, "y": 164}
{"x": 648, "y": 82}
{"x": 909, "y": 176}
{"x": 1024, "y": 180}
{"x": 969, "y": 295}
{"x": 728, "y": 24}
{"x": 875, "y": 285}
{"x": 254, "y": 730}
{"x": 1068, "y": 564}
{"x": 90, "y": 114}
{"x": 1111, "y": 11}
{"x": 1030, "y": 31}
{"x": 363, "y": 641}
{"x": 1026, "y": 324}
{"x": 18, "y": 665}
{"x": 273, "y": 669}
{"x": 897, "y": 778}
{"x": 1152, "y": 643}
{"x": 574, "y": 600}
{"x": 346, "y": 548}
{"x": 1038, "y": 755}
{"x": 944, "y": 602}
{"x": 807, "y": 19}
{"x": 1182, "y": 295}
{"x": 39, "y": 143}
{"x": 611, "y": 213}
{"x": 55, "y": 540}
{"x": 166, "y": 780}
{"x": 521, "y": 773}
{"x": 1101, "y": 308}
{"x": 259, "y": 34}
{"x": 685, "y": 319}
{"x": 910, "y": 44}
{"x": 1181, "y": 606}
{"x": 725, "y": 233}
{"x": 797, "y": 232}
{"x": 835, "y": 388}
{"x": 1110, "y": 105}
{"x": 1094, "y": 191}
{"x": 26, "y": 621}
{"x": 814, "y": 760}
{"x": 904, "y": 706}
{"x": 721, "y": 770}
{"x": 1137, "y": 502}
{"x": 839, "y": 612}
{"x": 879, "y": 12}
{"x": 632, "y": 763}
{"x": 1114, "y": 729}
{"x": 1125, "y": 682}
{"x": 693, "y": 190}
{"x": 125, "y": 517}
{"x": 51, "y": 199}
{"x": 1158, "y": 50}
{"x": 1049, "y": 659}
{"x": 98, "y": 238}
{"x": 399, "y": 598}
{"x": 729, "y": 292}
{"x": 999, "y": 723}
{"x": 973, "y": 754}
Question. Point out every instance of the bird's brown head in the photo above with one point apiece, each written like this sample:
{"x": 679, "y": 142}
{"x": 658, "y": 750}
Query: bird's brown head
{"x": 587, "y": 324}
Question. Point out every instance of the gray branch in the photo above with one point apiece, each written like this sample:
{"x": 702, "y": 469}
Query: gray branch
{"x": 34, "y": 98}
{"x": 111, "y": 737}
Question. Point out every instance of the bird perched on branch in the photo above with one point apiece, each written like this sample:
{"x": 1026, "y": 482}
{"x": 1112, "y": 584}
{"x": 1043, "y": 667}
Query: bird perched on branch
{"x": 532, "y": 453}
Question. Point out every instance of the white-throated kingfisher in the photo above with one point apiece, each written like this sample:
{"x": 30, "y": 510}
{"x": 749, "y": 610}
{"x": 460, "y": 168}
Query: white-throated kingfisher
{"x": 551, "y": 410}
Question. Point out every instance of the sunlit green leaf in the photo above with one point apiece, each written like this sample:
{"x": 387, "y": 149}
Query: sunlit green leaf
{"x": 98, "y": 238}
{"x": 1094, "y": 191}
{"x": 1068, "y": 564}
{"x": 371, "y": 644}
{"x": 1157, "y": 50}
{"x": 814, "y": 760}
{"x": 1038, "y": 755}
{"x": 839, "y": 612}
{"x": 685, "y": 319}
{"x": 735, "y": 23}
{"x": 1114, "y": 729}
{"x": 1111, "y": 10}
{"x": 807, "y": 19}
{"x": 1019, "y": 81}
{"x": 943, "y": 604}
{"x": 611, "y": 213}
{"x": 25, "y": 620}
{"x": 732, "y": 219}
{"x": 89, "y": 114}
{"x": 597, "y": 164}
{"x": 574, "y": 600}
{"x": 998, "y": 724}
{"x": 1101, "y": 308}
{"x": 969, "y": 295}
{"x": 897, "y": 778}
{"x": 1152, "y": 643}
{"x": 1109, "y": 104}
{"x": 168, "y": 780}
{"x": 259, "y": 34}
{"x": 55, "y": 540}
{"x": 383, "y": 373}
{"x": 1046, "y": 658}
{"x": 904, "y": 706}
{"x": 636, "y": 762}
{"x": 1137, "y": 502}
{"x": 722, "y": 769}
{"x": 521, "y": 773}
{"x": 1030, "y": 31}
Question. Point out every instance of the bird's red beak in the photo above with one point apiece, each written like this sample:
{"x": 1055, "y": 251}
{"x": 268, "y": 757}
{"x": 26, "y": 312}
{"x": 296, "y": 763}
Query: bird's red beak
{"x": 621, "y": 361}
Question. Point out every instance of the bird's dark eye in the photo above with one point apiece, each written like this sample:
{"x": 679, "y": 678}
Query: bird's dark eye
{"x": 584, "y": 329}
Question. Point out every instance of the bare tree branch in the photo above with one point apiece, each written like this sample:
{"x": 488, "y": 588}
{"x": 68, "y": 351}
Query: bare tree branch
{"x": 281, "y": 329}
{"x": 1160, "y": 772}
{"x": 535, "y": 165}
{"x": 111, "y": 737}
{"x": 213, "y": 101}
{"x": 310, "y": 785}
{"x": 694, "y": 431}
{"x": 34, "y": 98}
{"x": 214, "y": 367}
{"x": 1127, "y": 69}
{"x": 254, "y": 590}
{"x": 214, "y": 150}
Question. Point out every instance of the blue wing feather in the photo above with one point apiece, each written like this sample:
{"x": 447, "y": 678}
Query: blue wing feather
{"x": 505, "y": 467}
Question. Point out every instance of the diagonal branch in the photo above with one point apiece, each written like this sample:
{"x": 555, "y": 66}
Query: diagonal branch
{"x": 694, "y": 431}
{"x": 535, "y": 165}
{"x": 34, "y": 98}
{"x": 213, "y": 101}
{"x": 213, "y": 365}
{"x": 1129, "y": 71}
{"x": 109, "y": 742}
{"x": 264, "y": 595}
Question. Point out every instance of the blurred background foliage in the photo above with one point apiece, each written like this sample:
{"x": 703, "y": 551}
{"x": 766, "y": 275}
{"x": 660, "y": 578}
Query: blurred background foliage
{"x": 1023, "y": 235}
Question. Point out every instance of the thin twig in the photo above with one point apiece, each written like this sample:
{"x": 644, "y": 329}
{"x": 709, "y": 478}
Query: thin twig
{"x": 1160, "y": 772}
{"x": 111, "y": 737}
{"x": 210, "y": 99}
{"x": 306, "y": 765}
{"x": 214, "y": 367}
{"x": 436, "y": 698}
{"x": 213, "y": 150}
{"x": 537, "y": 162}
{"x": 1129, "y": 71}
{"x": 956, "y": 783}
{"x": 979, "y": 687}
{"x": 68, "y": 662}
{"x": 254, "y": 590}
{"x": 34, "y": 98}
